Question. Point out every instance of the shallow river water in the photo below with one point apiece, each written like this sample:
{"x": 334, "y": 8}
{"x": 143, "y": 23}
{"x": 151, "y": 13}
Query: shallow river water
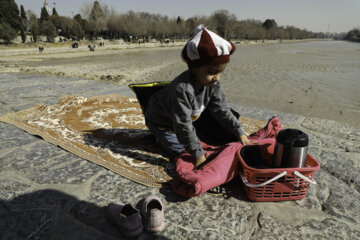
{"x": 316, "y": 78}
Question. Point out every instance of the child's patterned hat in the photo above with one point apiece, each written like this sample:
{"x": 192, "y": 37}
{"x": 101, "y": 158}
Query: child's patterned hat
{"x": 206, "y": 47}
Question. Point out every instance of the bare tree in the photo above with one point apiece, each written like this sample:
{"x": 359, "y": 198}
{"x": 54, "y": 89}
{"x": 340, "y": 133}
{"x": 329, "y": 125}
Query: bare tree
{"x": 33, "y": 25}
{"x": 105, "y": 21}
{"x": 193, "y": 22}
{"x": 223, "y": 22}
{"x": 114, "y": 27}
{"x": 86, "y": 9}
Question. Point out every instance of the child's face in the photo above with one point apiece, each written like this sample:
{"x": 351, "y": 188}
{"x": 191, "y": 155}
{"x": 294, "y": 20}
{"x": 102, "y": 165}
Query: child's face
{"x": 209, "y": 74}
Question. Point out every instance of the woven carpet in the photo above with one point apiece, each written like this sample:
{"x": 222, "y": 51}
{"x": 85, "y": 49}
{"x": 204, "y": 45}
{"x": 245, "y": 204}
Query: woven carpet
{"x": 107, "y": 130}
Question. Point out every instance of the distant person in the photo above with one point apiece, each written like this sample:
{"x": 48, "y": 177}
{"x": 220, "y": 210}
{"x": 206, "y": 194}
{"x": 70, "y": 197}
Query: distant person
{"x": 41, "y": 49}
{"x": 171, "y": 111}
{"x": 91, "y": 48}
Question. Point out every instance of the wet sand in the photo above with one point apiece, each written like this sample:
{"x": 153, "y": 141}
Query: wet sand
{"x": 313, "y": 79}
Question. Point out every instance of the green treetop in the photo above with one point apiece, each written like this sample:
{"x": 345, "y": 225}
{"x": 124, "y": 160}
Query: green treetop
{"x": 9, "y": 13}
{"x": 23, "y": 13}
{"x": 54, "y": 12}
{"x": 44, "y": 16}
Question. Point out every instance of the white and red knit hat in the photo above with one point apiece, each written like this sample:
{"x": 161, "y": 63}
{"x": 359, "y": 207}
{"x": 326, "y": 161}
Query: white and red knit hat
{"x": 206, "y": 47}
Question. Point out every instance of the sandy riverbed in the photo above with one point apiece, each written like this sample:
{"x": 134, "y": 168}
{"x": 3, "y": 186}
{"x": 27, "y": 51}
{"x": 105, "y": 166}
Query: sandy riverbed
{"x": 316, "y": 79}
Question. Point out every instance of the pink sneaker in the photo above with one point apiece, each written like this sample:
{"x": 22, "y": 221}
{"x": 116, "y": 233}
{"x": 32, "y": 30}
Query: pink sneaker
{"x": 153, "y": 214}
{"x": 126, "y": 218}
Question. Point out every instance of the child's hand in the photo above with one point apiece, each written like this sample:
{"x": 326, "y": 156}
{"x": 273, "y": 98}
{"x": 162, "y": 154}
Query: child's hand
{"x": 200, "y": 161}
{"x": 244, "y": 140}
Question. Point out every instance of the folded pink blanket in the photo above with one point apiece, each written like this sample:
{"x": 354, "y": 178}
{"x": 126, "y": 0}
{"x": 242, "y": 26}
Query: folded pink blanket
{"x": 222, "y": 167}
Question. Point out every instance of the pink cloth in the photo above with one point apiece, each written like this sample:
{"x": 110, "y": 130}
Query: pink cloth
{"x": 222, "y": 167}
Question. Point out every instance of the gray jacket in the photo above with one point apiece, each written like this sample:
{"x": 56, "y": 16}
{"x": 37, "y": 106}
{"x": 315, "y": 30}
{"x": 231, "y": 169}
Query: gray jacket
{"x": 177, "y": 105}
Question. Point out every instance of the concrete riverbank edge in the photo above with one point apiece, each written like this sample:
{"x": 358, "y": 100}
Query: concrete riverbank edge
{"x": 49, "y": 193}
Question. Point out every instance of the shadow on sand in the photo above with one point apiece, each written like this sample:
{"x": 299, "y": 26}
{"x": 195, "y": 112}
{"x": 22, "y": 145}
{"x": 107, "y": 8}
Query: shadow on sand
{"x": 51, "y": 214}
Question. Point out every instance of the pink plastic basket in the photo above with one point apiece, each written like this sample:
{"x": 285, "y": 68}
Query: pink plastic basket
{"x": 277, "y": 184}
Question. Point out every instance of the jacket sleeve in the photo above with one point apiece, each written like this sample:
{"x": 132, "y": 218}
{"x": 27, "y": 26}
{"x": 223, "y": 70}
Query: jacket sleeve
{"x": 182, "y": 123}
{"x": 221, "y": 111}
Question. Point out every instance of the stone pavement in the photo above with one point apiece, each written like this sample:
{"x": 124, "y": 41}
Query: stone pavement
{"x": 49, "y": 193}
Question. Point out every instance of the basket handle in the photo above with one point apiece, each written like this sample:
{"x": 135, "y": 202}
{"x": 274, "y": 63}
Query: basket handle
{"x": 304, "y": 177}
{"x": 264, "y": 183}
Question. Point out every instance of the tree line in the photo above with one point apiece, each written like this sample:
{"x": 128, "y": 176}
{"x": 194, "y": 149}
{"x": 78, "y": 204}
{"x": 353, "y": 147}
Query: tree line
{"x": 353, "y": 35}
{"x": 101, "y": 21}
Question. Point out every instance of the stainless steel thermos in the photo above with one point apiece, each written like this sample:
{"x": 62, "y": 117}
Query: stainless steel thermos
{"x": 291, "y": 148}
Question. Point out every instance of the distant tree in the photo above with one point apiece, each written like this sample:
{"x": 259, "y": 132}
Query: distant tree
{"x": 146, "y": 20}
{"x": 114, "y": 27}
{"x": 353, "y": 35}
{"x": 48, "y": 29}
{"x": 180, "y": 28}
{"x": 62, "y": 25}
{"x": 7, "y": 33}
{"x": 269, "y": 23}
{"x": 80, "y": 20}
{"x": 222, "y": 22}
{"x": 270, "y": 26}
{"x": 9, "y": 13}
{"x": 24, "y": 23}
{"x": 178, "y": 20}
{"x": 56, "y": 20}
{"x": 281, "y": 33}
{"x": 258, "y": 34}
{"x": 191, "y": 24}
{"x": 104, "y": 21}
{"x": 97, "y": 21}
{"x": 22, "y": 34}
{"x": 44, "y": 15}
{"x": 33, "y": 24}
{"x": 35, "y": 31}
{"x": 23, "y": 27}
{"x": 96, "y": 12}
{"x": 31, "y": 16}
{"x": 22, "y": 12}
{"x": 77, "y": 30}
{"x": 54, "y": 12}
{"x": 249, "y": 29}
{"x": 292, "y": 32}
{"x": 128, "y": 23}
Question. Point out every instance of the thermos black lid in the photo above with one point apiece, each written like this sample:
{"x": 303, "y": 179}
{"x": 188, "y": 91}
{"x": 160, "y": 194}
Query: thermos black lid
{"x": 293, "y": 138}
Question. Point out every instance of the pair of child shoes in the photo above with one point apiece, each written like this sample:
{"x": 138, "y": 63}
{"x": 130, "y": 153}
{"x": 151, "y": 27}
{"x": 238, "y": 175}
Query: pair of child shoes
{"x": 131, "y": 222}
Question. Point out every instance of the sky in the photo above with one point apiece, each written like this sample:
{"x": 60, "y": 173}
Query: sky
{"x": 313, "y": 15}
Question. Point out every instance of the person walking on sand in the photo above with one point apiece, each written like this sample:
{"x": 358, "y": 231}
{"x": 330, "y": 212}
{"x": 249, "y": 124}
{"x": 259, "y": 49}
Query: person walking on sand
{"x": 171, "y": 111}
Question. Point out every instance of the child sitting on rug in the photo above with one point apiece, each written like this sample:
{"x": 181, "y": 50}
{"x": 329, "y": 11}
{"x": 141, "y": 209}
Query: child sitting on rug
{"x": 171, "y": 111}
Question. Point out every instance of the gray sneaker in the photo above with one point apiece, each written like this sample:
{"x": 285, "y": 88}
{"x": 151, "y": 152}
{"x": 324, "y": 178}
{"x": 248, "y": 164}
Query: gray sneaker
{"x": 153, "y": 214}
{"x": 126, "y": 218}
